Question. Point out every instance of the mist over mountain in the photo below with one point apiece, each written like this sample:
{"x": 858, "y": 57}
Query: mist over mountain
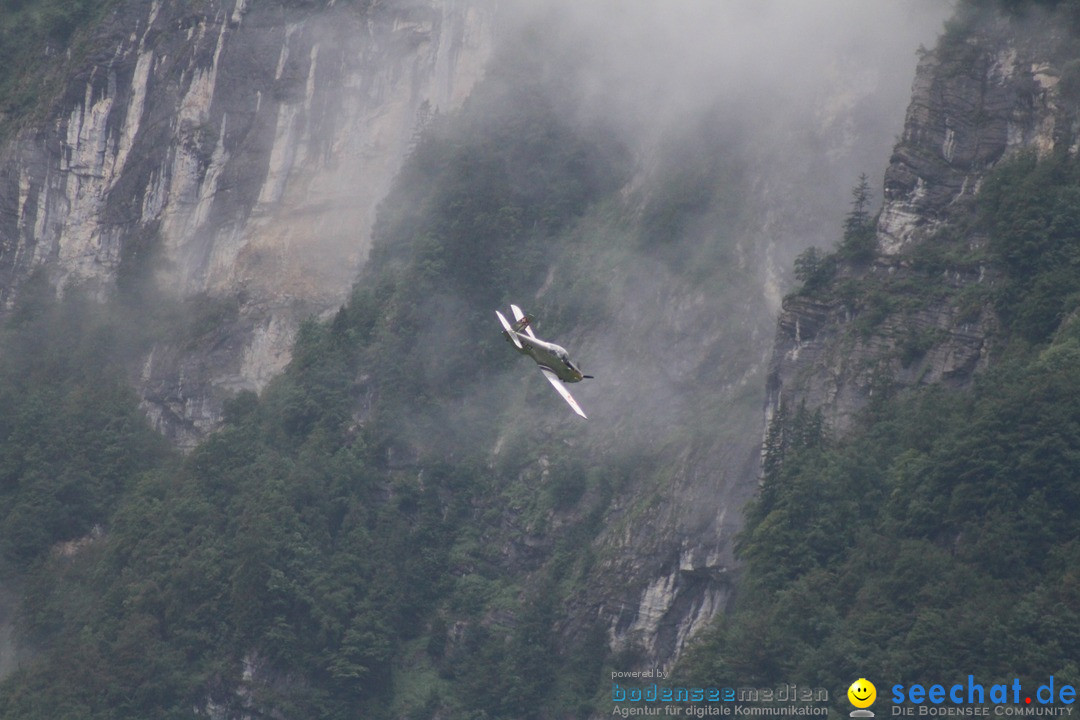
{"x": 372, "y": 505}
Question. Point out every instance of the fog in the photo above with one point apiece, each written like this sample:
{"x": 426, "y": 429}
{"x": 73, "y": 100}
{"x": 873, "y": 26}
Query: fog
{"x": 652, "y": 64}
{"x": 747, "y": 125}
{"x": 768, "y": 111}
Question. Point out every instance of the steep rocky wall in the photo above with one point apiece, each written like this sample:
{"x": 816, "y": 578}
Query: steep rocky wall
{"x": 988, "y": 90}
{"x": 982, "y": 93}
{"x": 666, "y": 563}
{"x": 237, "y": 150}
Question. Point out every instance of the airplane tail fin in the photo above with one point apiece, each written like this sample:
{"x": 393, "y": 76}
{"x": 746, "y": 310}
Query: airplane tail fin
{"x": 510, "y": 332}
{"x": 524, "y": 322}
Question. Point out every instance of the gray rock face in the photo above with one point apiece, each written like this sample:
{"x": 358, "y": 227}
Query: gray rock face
{"x": 825, "y": 359}
{"x": 989, "y": 90}
{"x": 239, "y": 150}
{"x": 975, "y": 99}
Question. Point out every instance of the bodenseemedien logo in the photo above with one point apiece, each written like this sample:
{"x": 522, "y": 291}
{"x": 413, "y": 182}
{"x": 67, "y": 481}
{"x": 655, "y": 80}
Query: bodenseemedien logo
{"x": 862, "y": 694}
{"x": 655, "y": 698}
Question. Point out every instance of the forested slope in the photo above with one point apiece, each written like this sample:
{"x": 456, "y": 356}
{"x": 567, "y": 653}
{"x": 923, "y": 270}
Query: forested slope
{"x": 936, "y": 536}
{"x": 408, "y": 522}
{"x": 312, "y": 557}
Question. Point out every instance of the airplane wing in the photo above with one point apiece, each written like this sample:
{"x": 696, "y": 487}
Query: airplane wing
{"x": 557, "y": 384}
{"x": 518, "y": 315}
{"x": 509, "y": 330}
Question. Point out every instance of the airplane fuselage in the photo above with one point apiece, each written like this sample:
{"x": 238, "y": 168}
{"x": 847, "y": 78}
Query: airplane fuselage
{"x": 551, "y": 356}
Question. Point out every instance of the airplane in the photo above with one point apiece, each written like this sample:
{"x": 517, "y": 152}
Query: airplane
{"x": 553, "y": 360}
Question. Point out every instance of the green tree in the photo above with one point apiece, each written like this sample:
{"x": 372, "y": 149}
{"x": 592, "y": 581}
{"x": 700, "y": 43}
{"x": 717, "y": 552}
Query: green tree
{"x": 859, "y": 242}
{"x": 814, "y": 269}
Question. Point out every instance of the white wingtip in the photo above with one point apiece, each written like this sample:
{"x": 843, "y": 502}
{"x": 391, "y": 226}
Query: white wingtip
{"x": 561, "y": 389}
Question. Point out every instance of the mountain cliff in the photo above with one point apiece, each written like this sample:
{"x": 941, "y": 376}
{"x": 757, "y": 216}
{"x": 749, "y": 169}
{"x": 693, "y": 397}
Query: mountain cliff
{"x": 235, "y": 151}
{"x": 918, "y": 478}
{"x": 918, "y": 311}
{"x": 404, "y": 522}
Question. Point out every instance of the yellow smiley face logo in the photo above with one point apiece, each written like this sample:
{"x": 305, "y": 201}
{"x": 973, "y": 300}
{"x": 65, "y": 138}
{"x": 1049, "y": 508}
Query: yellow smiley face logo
{"x": 862, "y": 693}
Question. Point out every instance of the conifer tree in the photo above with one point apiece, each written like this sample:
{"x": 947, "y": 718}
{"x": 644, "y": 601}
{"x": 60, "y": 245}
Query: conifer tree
{"x": 859, "y": 242}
